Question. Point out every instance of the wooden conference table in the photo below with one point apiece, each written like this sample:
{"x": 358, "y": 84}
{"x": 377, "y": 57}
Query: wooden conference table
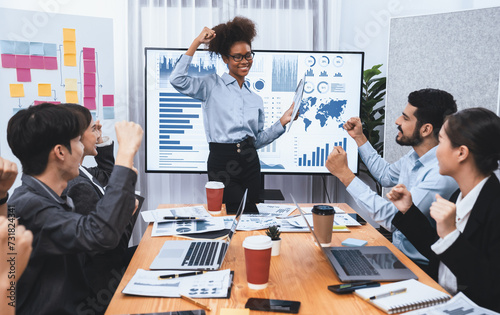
{"x": 299, "y": 273}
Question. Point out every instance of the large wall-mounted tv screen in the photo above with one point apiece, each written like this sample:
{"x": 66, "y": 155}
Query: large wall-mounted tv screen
{"x": 175, "y": 136}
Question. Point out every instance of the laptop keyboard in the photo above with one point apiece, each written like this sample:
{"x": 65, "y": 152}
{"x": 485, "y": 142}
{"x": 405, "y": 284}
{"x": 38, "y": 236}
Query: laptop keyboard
{"x": 201, "y": 254}
{"x": 354, "y": 263}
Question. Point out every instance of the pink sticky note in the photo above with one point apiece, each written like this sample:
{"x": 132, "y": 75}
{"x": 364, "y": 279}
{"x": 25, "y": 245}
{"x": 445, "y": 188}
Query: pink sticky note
{"x": 89, "y": 102}
{"x": 108, "y": 100}
{"x": 36, "y": 62}
{"x": 8, "y": 61}
{"x": 89, "y": 91}
{"x": 88, "y": 66}
{"x": 23, "y": 61}
{"x": 51, "y": 102}
{"x": 89, "y": 78}
{"x": 23, "y": 75}
{"x": 50, "y": 63}
{"x": 88, "y": 53}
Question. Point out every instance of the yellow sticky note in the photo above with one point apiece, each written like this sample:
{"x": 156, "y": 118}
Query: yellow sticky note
{"x": 234, "y": 311}
{"x": 69, "y": 47}
{"x": 44, "y": 89}
{"x": 70, "y": 60}
{"x": 69, "y": 34}
{"x": 70, "y": 85}
{"x": 71, "y": 97}
{"x": 16, "y": 90}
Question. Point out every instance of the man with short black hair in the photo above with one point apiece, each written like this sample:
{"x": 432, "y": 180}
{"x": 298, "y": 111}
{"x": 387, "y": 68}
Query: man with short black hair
{"x": 46, "y": 139}
{"x": 418, "y": 170}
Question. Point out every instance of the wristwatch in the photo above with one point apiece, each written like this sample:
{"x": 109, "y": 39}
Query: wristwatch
{"x": 4, "y": 200}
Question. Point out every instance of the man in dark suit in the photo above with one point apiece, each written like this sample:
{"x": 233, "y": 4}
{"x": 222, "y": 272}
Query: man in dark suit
{"x": 46, "y": 139}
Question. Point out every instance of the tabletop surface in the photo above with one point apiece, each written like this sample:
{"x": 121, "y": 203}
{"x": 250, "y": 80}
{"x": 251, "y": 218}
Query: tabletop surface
{"x": 300, "y": 273}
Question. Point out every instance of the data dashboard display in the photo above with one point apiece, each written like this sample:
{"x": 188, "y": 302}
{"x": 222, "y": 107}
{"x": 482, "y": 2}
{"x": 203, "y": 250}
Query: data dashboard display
{"x": 175, "y": 136}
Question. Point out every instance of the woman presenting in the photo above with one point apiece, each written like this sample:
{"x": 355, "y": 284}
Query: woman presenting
{"x": 464, "y": 248}
{"x": 233, "y": 115}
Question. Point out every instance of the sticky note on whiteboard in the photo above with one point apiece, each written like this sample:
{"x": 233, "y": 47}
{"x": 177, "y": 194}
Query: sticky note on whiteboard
{"x": 69, "y": 34}
{"x": 72, "y": 97}
{"x": 44, "y": 89}
{"x": 353, "y": 242}
{"x": 16, "y": 90}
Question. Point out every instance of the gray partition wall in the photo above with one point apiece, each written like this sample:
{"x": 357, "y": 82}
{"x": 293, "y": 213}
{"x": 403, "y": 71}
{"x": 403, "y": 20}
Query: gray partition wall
{"x": 457, "y": 52}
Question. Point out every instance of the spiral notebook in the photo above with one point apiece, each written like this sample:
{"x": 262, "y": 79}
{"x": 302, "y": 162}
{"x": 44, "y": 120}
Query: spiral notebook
{"x": 402, "y": 296}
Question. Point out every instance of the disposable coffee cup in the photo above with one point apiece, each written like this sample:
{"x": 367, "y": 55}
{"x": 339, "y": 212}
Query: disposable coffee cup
{"x": 323, "y": 216}
{"x": 215, "y": 191}
{"x": 258, "y": 260}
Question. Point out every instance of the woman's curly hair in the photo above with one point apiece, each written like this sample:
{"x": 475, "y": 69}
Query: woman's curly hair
{"x": 240, "y": 29}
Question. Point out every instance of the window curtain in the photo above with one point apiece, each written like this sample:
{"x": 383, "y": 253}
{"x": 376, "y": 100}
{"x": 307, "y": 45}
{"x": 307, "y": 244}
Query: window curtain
{"x": 281, "y": 25}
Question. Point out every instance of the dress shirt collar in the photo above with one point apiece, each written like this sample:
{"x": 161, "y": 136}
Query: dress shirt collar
{"x": 464, "y": 205}
{"x": 229, "y": 79}
{"x": 428, "y": 157}
{"x": 46, "y": 191}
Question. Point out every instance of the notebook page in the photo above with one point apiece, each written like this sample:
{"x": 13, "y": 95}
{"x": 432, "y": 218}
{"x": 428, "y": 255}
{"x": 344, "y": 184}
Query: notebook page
{"x": 417, "y": 295}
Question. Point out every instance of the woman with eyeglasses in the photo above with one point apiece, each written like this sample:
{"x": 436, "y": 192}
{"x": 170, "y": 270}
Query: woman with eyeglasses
{"x": 464, "y": 247}
{"x": 233, "y": 115}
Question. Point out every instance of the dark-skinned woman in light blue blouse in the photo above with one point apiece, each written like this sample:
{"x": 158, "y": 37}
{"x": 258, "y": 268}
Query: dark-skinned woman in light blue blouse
{"x": 233, "y": 114}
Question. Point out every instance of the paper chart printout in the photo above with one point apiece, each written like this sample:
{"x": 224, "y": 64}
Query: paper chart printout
{"x": 208, "y": 285}
{"x": 180, "y": 227}
{"x": 158, "y": 214}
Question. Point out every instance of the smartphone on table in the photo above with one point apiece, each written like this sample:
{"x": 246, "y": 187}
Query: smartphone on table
{"x": 358, "y": 218}
{"x": 270, "y": 305}
{"x": 350, "y": 287}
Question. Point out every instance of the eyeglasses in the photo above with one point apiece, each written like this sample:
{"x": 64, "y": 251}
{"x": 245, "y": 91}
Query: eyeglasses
{"x": 238, "y": 57}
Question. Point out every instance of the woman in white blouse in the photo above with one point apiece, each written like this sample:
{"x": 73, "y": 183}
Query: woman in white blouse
{"x": 464, "y": 248}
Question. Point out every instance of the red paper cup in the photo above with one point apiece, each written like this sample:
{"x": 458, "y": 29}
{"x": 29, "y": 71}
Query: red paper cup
{"x": 215, "y": 191}
{"x": 258, "y": 260}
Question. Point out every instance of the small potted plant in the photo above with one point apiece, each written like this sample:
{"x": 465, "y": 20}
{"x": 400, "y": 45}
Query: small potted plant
{"x": 274, "y": 233}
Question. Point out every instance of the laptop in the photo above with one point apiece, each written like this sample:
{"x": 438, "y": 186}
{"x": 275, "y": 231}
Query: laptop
{"x": 197, "y": 254}
{"x": 376, "y": 263}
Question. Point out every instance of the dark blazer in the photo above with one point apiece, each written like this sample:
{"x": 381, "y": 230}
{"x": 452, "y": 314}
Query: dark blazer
{"x": 54, "y": 281}
{"x": 82, "y": 191}
{"x": 105, "y": 267}
{"x": 474, "y": 258}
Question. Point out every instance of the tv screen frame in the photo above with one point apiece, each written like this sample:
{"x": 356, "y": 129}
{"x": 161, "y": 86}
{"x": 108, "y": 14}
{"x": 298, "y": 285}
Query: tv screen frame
{"x": 152, "y": 71}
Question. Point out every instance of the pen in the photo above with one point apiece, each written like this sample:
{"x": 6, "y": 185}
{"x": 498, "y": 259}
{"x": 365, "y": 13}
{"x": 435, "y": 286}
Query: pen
{"x": 180, "y": 218}
{"x": 383, "y": 295}
{"x": 172, "y": 276}
{"x": 203, "y": 306}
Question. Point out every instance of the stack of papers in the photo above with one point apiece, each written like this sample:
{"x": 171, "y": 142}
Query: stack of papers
{"x": 158, "y": 214}
{"x": 278, "y": 210}
{"x": 459, "y": 304}
{"x": 342, "y": 219}
{"x": 269, "y": 215}
{"x": 249, "y": 222}
{"x": 180, "y": 227}
{"x": 213, "y": 284}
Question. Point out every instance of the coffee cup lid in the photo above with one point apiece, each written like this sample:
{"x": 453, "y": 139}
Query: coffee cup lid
{"x": 257, "y": 242}
{"x": 323, "y": 210}
{"x": 214, "y": 185}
